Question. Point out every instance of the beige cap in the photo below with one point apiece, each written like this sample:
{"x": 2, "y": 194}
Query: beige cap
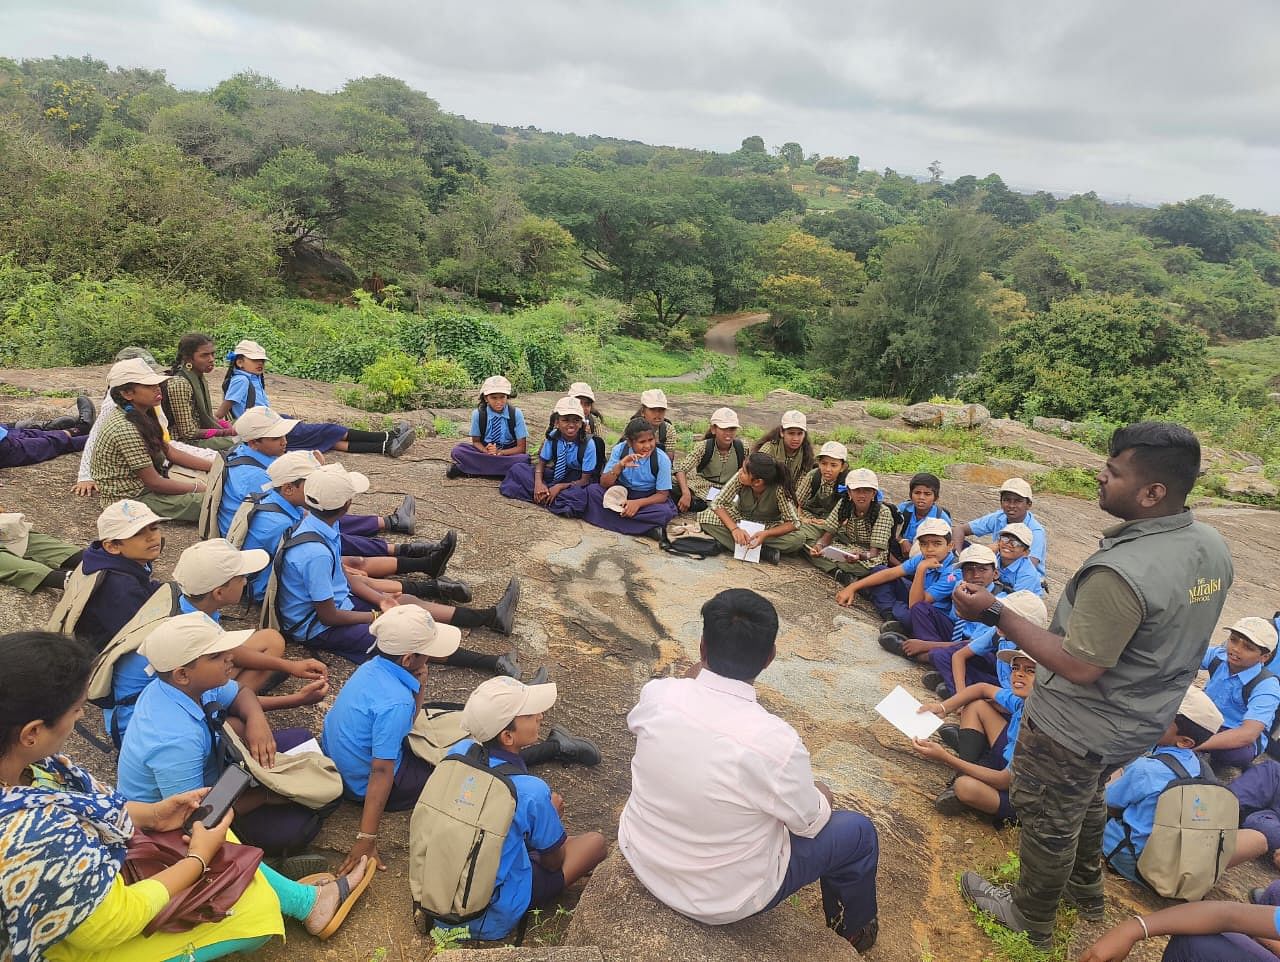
{"x": 499, "y": 701}
{"x": 15, "y": 532}
{"x": 1258, "y": 630}
{"x": 725, "y": 418}
{"x": 133, "y": 371}
{"x": 331, "y": 486}
{"x": 180, "y": 640}
{"x": 291, "y": 466}
{"x": 1019, "y": 531}
{"x": 1029, "y": 605}
{"x": 654, "y": 398}
{"x": 1199, "y": 708}
{"x": 794, "y": 419}
{"x": 410, "y": 630}
{"x": 615, "y": 499}
{"x": 1007, "y": 655}
{"x": 250, "y": 350}
{"x": 568, "y": 407}
{"x": 495, "y": 385}
{"x": 861, "y": 478}
{"x": 933, "y": 526}
{"x": 257, "y": 423}
{"x": 977, "y": 554}
{"x": 1017, "y": 486}
{"x": 581, "y": 389}
{"x": 211, "y": 564}
{"x": 834, "y": 449}
{"x": 124, "y": 519}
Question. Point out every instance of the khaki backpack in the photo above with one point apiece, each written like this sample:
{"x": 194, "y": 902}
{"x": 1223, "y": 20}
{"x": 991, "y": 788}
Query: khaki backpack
{"x": 456, "y": 834}
{"x": 162, "y": 604}
{"x": 1192, "y": 838}
{"x": 309, "y": 778}
{"x": 436, "y": 729}
{"x": 238, "y": 531}
{"x": 215, "y": 483}
{"x": 76, "y": 592}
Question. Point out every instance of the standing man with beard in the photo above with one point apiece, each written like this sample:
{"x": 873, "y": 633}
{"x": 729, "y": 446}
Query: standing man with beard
{"x": 1124, "y": 645}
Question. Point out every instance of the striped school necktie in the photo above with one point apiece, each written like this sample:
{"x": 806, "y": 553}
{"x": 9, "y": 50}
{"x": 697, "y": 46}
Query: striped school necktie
{"x": 562, "y": 461}
{"x": 957, "y": 633}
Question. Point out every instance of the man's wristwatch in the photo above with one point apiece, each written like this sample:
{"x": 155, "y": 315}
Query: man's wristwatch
{"x": 992, "y": 615}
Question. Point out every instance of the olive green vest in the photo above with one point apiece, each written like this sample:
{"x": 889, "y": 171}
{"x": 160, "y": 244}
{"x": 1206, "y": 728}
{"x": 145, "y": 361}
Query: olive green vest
{"x": 1180, "y": 571}
{"x": 764, "y": 509}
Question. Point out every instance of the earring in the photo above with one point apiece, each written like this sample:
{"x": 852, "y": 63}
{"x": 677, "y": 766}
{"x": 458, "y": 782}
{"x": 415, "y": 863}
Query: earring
{"x": 187, "y": 366}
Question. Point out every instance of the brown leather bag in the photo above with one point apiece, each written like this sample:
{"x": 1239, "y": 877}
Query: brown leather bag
{"x": 211, "y": 898}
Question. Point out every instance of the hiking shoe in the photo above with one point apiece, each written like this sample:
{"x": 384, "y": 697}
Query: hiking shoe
{"x": 540, "y": 677}
{"x": 404, "y": 519}
{"x": 844, "y": 579}
{"x": 445, "y": 589}
{"x": 504, "y": 612}
{"x": 300, "y": 866}
{"x": 64, "y": 423}
{"x": 1092, "y": 909}
{"x": 508, "y": 665}
{"x": 931, "y": 679}
{"x": 569, "y": 748}
{"x": 997, "y": 902}
{"x": 948, "y": 804}
{"x": 949, "y": 735}
{"x": 864, "y": 938}
{"x": 453, "y": 471}
{"x": 891, "y": 642}
{"x": 400, "y": 439}
{"x": 895, "y": 626}
{"x": 942, "y": 692}
{"x": 769, "y": 555}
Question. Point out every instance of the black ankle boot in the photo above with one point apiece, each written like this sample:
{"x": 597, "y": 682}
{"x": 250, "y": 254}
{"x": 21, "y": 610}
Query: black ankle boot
{"x": 403, "y": 520}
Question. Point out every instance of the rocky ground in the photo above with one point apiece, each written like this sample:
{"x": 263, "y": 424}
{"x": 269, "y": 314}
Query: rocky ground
{"x": 606, "y": 613}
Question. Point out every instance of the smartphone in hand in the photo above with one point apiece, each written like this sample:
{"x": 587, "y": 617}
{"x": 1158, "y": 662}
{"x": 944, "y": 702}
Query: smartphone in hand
{"x": 231, "y": 784}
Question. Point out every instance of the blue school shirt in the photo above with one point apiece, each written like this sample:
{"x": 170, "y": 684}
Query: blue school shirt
{"x": 4, "y": 432}
{"x": 940, "y": 582}
{"x": 995, "y": 522}
{"x": 908, "y": 511}
{"x": 1013, "y": 704}
{"x": 237, "y": 392}
{"x": 639, "y": 479}
{"x": 992, "y": 645}
{"x": 168, "y": 748}
{"x": 561, "y": 455}
{"x": 311, "y": 573}
{"x": 369, "y": 720}
{"x": 536, "y": 827}
{"x": 498, "y": 429}
{"x": 1022, "y": 575}
{"x": 1227, "y": 692}
{"x": 129, "y": 678}
{"x": 1137, "y": 790}
{"x": 241, "y": 481}
{"x": 266, "y": 530}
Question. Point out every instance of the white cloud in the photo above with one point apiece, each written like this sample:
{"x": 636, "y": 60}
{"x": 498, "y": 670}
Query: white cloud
{"x": 1145, "y": 98}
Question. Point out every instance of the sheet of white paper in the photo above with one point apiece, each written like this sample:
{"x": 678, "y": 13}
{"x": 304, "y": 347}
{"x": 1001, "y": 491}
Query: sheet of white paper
{"x": 712, "y": 494}
{"x": 740, "y": 552}
{"x": 836, "y": 554}
{"x": 310, "y": 745}
{"x": 899, "y": 709}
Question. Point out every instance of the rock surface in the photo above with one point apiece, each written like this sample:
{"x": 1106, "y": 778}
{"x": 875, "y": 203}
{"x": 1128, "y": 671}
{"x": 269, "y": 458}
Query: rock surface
{"x": 542, "y": 953}
{"x": 929, "y": 415}
{"x": 1250, "y": 483}
{"x": 628, "y": 924}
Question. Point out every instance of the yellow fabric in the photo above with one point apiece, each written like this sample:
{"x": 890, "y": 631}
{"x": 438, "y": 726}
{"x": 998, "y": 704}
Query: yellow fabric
{"x": 113, "y": 932}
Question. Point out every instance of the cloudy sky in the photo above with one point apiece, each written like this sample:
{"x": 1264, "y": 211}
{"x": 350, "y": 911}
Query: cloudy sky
{"x": 1147, "y": 99}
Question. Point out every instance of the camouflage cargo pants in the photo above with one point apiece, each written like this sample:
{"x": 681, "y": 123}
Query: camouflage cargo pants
{"x": 1059, "y": 798}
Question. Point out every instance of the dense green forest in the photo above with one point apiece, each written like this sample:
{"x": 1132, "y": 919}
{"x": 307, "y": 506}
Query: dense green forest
{"x": 367, "y": 235}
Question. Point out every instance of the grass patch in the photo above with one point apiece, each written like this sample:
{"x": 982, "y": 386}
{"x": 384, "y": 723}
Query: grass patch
{"x": 881, "y": 411}
{"x": 1015, "y": 946}
{"x": 445, "y": 428}
{"x": 1073, "y": 482}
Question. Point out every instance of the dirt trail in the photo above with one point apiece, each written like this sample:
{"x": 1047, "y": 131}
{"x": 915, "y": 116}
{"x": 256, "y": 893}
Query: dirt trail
{"x": 720, "y": 338}
{"x": 606, "y": 613}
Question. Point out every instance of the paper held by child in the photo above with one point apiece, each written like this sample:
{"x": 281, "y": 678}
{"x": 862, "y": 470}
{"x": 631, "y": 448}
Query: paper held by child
{"x": 901, "y": 710}
{"x": 741, "y": 552}
{"x": 839, "y": 554}
{"x": 712, "y": 493}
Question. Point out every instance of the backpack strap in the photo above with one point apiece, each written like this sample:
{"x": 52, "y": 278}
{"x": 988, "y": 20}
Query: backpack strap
{"x": 1247, "y": 691}
{"x": 653, "y": 463}
{"x": 291, "y": 540}
{"x": 1173, "y": 765}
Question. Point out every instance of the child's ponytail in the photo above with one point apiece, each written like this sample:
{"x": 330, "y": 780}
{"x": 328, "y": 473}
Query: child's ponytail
{"x": 147, "y": 424}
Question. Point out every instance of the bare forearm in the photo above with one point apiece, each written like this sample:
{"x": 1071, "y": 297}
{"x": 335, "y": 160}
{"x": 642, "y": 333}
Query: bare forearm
{"x": 1246, "y": 734}
{"x": 1046, "y": 648}
{"x": 381, "y": 778}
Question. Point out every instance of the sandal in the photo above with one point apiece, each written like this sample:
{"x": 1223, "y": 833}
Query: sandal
{"x": 347, "y": 898}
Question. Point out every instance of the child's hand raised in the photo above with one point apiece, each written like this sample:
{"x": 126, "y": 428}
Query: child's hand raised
{"x": 629, "y": 460}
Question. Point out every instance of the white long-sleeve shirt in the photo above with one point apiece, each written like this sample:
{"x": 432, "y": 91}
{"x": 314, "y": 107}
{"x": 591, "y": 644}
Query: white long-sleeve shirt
{"x": 717, "y": 786}
{"x": 105, "y": 407}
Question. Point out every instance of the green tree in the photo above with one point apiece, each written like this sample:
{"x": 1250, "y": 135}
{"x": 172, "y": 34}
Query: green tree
{"x": 753, "y": 144}
{"x": 1119, "y": 357}
{"x": 792, "y": 153}
{"x": 922, "y": 322}
{"x": 1212, "y": 226}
